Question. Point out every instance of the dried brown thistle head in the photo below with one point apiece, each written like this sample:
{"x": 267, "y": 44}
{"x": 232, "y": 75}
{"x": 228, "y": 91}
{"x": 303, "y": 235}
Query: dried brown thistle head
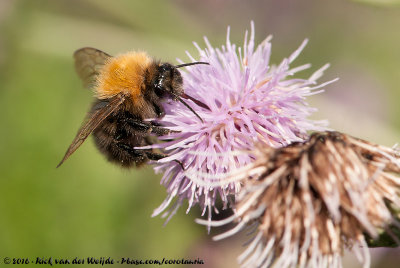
{"x": 312, "y": 199}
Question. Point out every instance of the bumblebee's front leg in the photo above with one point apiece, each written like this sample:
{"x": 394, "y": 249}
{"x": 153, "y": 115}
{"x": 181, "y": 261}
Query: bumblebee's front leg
{"x": 148, "y": 127}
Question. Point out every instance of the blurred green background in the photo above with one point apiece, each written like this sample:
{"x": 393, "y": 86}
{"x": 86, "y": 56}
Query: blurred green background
{"x": 89, "y": 207}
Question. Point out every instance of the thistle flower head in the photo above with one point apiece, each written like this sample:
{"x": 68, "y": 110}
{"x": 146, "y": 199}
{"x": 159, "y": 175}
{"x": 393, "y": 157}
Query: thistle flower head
{"x": 241, "y": 98}
{"x": 314, "y": 198}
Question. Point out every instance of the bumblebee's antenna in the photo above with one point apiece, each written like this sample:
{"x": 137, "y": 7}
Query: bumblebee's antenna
{"x": 187, "y": 96}
{"x": 191, "y": 63}
{"x": 190, "y": 108}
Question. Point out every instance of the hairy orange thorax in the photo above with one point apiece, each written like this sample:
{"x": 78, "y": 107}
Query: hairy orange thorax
{"x": 123, "y": 73}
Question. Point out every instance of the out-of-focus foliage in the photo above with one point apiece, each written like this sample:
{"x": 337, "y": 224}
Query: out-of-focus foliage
{"x": 89, "y": 207}
{"x": 379, "y": 2}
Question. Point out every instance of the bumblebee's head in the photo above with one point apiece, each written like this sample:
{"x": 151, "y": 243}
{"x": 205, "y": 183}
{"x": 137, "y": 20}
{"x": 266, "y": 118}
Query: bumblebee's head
{"x": 169, "y": 81}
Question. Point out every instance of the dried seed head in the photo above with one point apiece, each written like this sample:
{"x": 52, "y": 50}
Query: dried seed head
{"x": 312, "y": 199}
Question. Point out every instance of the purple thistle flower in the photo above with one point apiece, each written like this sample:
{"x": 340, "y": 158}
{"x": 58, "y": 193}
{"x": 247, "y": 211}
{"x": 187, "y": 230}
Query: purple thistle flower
{"x": 247, "y": 100}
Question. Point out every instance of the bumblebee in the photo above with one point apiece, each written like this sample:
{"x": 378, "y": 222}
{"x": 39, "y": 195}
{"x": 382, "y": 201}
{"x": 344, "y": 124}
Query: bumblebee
{"x": 129, "y": 88}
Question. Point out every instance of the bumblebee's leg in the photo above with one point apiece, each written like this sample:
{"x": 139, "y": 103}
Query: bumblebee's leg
{"x": 142, "y": 155}
{"x": 139, "y": 155}
{"x": 156, "y": 156}
{"x": 149, "y": 127}
{"x": 156, "y": 124}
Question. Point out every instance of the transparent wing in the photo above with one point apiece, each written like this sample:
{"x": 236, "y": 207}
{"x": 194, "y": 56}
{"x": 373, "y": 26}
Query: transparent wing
{"x": 94, "y": 119}
{"x": 88, "y": 63}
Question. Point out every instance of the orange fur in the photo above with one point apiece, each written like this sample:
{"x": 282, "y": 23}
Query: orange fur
{"x": 124, "y": 73}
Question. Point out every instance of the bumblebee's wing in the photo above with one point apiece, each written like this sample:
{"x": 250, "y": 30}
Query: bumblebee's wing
{"x": 94, "y": 119}
{"x": 88, "y": 63}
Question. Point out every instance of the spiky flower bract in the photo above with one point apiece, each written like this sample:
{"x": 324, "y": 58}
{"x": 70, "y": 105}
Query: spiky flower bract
{"x": 241, "y": 98}
{"x": 313, "y": 199}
